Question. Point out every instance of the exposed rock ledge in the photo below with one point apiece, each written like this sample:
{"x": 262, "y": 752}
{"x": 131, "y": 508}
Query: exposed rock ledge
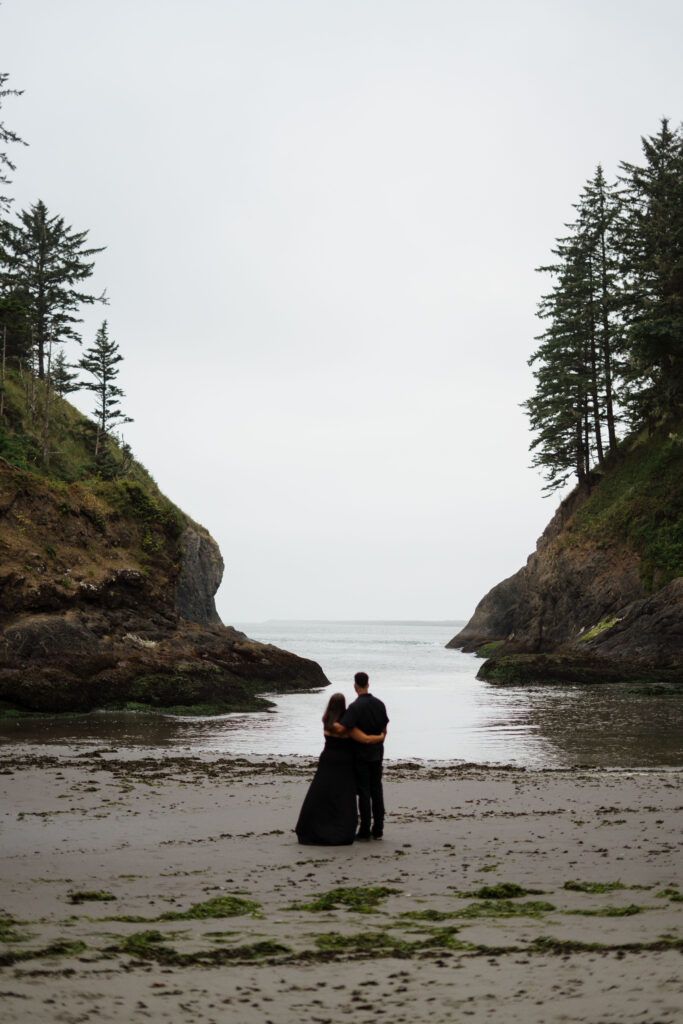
{"x": 60, "y": 663}
{"x": 101, "y": 607}
{"x": 585, "y": 604}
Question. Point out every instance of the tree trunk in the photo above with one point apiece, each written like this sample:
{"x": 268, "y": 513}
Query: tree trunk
{"x": 607, "y": 347}
{"x": 41, "y": 357}
{"x": 578, "y": 456}
{"x": 2, "y": 386}
{"x": 594, "y": 369}
{"x": 580, "y": 461}
{"x": 46, "y": 422}
{"x": 102, "y": 422}
{"x": 586, "y": 439}
{"x": 32, "y": 384}
{"x": 41, "y": 309}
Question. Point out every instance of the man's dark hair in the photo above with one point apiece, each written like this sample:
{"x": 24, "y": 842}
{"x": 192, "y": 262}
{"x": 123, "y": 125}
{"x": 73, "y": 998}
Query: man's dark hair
{"x": 361, "y": 680}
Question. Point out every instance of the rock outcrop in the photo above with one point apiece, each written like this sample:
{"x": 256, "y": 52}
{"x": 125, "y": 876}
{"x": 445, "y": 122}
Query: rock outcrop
{"x": 564, "y": 589}
{"x": 107, "y": 599}
{"x": 201, "y": 572}
{"x": 650, "y": 628}
{"x": 604, "y": 583}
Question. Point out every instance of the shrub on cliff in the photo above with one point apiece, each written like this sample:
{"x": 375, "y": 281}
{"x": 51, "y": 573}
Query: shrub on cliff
{"x": 639, "y": 502}
{"x": 129, "y": 498}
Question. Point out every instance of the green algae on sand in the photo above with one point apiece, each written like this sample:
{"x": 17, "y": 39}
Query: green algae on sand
{"x": 219, "y": 906}
{"x": 360, "y": 899}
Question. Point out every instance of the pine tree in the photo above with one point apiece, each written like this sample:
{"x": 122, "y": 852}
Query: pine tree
{"x": 579, "y": 358}
{"x": 599, "y": 210}
{"x": 47, "y": 261}
{"x": 64, "y": 382}
{"x": 6, "y": 136}
{"x": 560, "y": 412}
{"x": 652, "y": 264}
{"x": 613, "y": 348}
{"x": 3, "y": 362}
{"x": 101, "y": 360}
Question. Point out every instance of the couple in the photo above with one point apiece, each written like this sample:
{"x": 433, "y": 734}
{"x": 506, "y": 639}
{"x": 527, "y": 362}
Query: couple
{"x": 349, "y": 766}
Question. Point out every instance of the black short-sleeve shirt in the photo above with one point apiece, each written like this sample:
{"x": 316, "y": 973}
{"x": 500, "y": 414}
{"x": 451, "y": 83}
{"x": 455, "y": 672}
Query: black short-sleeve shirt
{"x": 370, "y": 715}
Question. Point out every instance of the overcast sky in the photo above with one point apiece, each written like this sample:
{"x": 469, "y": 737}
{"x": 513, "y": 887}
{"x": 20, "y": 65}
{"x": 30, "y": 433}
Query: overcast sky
{"x": 322, "y": 219}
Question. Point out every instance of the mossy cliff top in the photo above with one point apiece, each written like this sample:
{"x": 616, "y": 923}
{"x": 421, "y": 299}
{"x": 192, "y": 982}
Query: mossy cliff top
{"x": 70, "y": 521}
{"x": 638, "y": 504}
{"x": 71, "y": 440}
{"x": 106, "y": 587}
{"x": 606, "y": 580}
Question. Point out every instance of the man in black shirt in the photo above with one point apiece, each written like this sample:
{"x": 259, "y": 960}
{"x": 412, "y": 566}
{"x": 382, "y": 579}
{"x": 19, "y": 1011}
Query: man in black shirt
{"x": 370, "y": 715}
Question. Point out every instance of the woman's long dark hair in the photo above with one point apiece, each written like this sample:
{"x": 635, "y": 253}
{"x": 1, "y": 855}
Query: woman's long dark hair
{"x": 336, "y": 707}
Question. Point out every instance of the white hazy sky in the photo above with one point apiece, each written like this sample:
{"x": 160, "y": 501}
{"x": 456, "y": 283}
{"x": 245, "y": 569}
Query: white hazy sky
{"x": 322, "y": 219}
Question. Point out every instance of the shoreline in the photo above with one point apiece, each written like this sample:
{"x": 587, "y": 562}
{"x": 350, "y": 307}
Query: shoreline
{"x": 480, "y": 724}
{"x": 54, "y": 750}
{"x": 115, "y": 865}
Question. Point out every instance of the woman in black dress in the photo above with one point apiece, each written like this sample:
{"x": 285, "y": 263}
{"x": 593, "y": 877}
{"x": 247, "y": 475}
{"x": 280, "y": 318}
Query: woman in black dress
{"x": 329, "y": 812}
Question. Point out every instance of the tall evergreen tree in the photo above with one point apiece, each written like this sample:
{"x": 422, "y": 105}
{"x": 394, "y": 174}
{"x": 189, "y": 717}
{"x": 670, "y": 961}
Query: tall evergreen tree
{"x": 573, "y": 412}
{"x": 47, "y": 261}
{"x": 101, "y": 360}
{"x": 599, "y": 210}
{"x": 63, "y": 381}
{"x": 561, "y": 412}
{"x": 6, "y": 136}
{"x": 613, "y": 348}
{"x": 652, "y": 255}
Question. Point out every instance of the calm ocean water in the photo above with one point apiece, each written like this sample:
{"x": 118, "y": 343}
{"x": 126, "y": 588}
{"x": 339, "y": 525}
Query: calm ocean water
{"x": 437, "y": 708}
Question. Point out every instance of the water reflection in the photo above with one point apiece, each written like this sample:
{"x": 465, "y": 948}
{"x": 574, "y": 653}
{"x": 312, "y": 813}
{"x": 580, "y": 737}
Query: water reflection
{"x": 437, "y": 708}
{"x": 609, "y": 725}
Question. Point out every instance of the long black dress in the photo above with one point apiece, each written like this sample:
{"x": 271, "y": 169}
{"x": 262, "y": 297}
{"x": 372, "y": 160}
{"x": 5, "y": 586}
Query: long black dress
{"x": 328, "y": 815}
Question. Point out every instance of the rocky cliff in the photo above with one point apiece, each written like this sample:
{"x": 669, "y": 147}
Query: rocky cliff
{"x": 201, "y": 572}
{"x": 602, "y": 595}
{"x": 107, "y": 600}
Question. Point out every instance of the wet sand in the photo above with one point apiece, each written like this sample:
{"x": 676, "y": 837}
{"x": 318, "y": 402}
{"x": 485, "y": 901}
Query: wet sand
{"x": 408, "y": 936}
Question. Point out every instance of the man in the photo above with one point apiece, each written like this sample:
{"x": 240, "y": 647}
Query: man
{"x": 370, "y": 715}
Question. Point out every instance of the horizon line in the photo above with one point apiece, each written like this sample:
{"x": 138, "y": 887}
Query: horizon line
{"x": 376, "y": 622}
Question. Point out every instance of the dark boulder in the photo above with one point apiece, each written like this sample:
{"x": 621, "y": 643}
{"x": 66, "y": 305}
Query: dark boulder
{"x": 37, "y": 637}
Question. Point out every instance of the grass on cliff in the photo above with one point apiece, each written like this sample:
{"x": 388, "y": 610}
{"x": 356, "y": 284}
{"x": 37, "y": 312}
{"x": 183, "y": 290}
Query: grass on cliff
{"x": 639, "y": 502}
{"x": 72, "y": 437}
{"x": 117, "y": 484}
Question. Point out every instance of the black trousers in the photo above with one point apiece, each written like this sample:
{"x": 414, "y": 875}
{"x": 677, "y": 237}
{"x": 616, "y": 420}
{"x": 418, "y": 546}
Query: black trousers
{"x": 370, "y": 797}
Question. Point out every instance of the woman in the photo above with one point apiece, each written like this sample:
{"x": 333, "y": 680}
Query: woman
{"x": 329, "y": 814}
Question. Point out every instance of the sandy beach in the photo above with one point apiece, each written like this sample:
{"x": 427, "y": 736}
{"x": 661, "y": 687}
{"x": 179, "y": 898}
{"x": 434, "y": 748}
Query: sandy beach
{"x": 137, "y": 889}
